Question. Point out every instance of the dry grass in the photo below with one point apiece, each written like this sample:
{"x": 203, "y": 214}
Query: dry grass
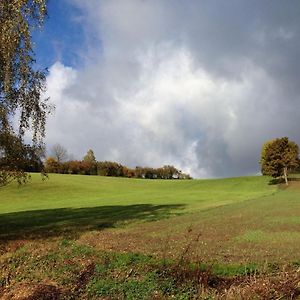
{"x": 283, "y": 285}
{"x": 61, "y": 269}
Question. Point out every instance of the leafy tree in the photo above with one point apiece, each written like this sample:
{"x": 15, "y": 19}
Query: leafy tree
{"x": 90, "y": 157}
{"x": 109, "y": 168}
{"x": 21, "y": 85}
{"x": 140, "y": 172}
{"x": 17, "y": 158}
{"x": 278, "y": 157}
{"x": 127, "y": 172}
{"x": 51, "y": 165}
{"x": 169, "y": 172}
{"x": 90, "y": 163}
{"x": 263, "y": 152}
{"x": 150, "y": 173}
{"x": 74, "y": 167}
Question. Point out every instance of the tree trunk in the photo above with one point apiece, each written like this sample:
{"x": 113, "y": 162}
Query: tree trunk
{"x": 285, "y": 175}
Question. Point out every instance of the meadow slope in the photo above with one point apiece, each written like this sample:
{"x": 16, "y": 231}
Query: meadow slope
{"x": 74, "y": 203}
{"x": 90, "y": 237}
{"x": 77, "y": 191}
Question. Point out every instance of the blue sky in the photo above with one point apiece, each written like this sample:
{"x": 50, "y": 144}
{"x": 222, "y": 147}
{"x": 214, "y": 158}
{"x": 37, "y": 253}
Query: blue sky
{"x": 62, "y": 37}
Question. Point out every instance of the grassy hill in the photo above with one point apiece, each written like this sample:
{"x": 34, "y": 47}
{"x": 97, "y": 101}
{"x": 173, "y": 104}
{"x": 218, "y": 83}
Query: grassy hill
{"x": 78, "y": 191}
{"x": 117, "y": 238}
{"x": 81, "y": 203}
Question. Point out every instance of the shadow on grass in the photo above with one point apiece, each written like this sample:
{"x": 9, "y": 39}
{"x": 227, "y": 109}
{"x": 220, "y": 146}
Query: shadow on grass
{"x": 70, "y": 222}
{"x": 276, "y": 181}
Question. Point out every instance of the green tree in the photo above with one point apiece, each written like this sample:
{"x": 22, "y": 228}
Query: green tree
{"x": 90, "y": 157}
{"x": 279, "y": 157}
{"x": 90, "y": 162}
{"x": 21, "y": 85}
{"x": 17, "y": 158}
{"x": 109, "y": 168}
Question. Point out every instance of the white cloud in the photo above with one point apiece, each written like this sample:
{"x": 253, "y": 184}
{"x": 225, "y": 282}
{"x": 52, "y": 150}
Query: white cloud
{"x": 162, "y": 91}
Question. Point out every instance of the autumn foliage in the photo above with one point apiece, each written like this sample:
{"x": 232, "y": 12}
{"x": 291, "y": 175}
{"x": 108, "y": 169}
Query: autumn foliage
{"x": 279, "y": 157}
{"x": 90, "y": 166}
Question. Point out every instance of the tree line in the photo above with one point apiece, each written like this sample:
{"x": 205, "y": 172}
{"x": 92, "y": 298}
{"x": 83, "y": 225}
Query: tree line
{"x": 90, "y": 166}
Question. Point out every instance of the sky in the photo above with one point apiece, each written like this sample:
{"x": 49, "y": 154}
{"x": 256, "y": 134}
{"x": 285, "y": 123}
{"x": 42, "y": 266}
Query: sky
{"x": 200, "y": 85}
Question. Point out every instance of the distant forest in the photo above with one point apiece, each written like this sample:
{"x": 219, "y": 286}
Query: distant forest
{"x": 58, "y": 163}
{"x": 114, "y": 169}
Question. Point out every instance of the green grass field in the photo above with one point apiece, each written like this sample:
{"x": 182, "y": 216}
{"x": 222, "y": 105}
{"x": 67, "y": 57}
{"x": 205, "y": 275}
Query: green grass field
{"x": 69, "y": 227}
{"x": 80, "y": 203}
{"x": 77, "y": 191}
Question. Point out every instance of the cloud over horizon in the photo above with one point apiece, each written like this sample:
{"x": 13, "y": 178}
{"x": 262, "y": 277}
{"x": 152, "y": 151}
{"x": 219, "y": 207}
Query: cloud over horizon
{"x": 200, "y": 85}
